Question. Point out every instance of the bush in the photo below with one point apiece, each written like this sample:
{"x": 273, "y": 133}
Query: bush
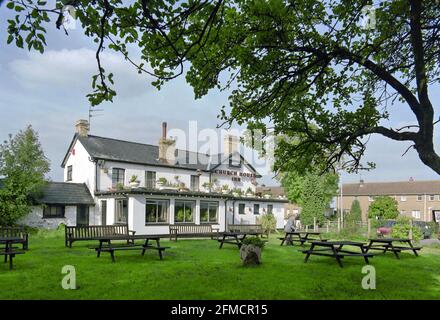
{"x": 402, "y": 227}
{"x": 383, "y": 208}
{"x": 268, "y": 222}
{"x": 254, "y": 241}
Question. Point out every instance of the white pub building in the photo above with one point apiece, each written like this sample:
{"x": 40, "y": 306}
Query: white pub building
{"x": 150, "y": 187}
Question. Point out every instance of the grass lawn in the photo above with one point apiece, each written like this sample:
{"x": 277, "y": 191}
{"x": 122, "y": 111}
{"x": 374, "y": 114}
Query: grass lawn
{"x": 197, "y": 269}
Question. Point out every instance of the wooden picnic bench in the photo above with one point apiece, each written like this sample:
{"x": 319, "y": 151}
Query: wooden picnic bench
{"x": 254, "y": 228}
{"x": 235, "y": 238}
{"x": 15, "y": 232}
{"x": 106, "y": 245}
{"x": 83, "y": 233}
{"x": 301, "y": 237}
{"x": 8, "y": 251}
{"x": 335, "y": 249}
{"x": 193, "y": 230}
{"x": 387, "y": 244}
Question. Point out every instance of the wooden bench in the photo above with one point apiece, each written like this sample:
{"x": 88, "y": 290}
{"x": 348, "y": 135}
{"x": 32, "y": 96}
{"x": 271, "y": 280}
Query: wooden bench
{"x": 248, "y": 228}
{"x": 193, "y": 230}
{"x": 106, "y": 245}
{"x": 83, "y": 233}
{"x": 15, "y": 232}
{"x": 10, "y": 255}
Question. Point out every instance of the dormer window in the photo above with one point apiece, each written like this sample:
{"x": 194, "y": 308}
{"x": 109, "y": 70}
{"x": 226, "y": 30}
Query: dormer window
{"x": 235, "y": 160}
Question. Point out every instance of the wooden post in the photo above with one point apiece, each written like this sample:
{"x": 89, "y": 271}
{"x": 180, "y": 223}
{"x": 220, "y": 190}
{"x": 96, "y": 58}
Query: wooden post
{"x": 339, "y": 224}
{"x": 307, "y": 228}
{"x": 368, "y": 228}
{"x": 327, "y": 225}
{"x": 314, "y": 224}
{"x": 410, "y": 236}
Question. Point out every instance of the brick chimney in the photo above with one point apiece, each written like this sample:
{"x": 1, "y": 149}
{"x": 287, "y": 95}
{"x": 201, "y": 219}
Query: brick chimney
{"x": 230, "y": 144}
{"x": 82, "y": 128}
{"x": 167, "y": 147}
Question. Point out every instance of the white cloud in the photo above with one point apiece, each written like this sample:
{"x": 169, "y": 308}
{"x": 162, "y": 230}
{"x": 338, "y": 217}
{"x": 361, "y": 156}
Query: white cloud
{"x": 72, "y": 69}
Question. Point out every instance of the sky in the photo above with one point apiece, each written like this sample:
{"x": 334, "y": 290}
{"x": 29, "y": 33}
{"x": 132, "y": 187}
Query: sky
{"x": 49, "y": 92}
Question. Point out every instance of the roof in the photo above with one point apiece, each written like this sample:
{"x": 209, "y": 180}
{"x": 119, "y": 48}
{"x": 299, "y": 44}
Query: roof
{"x": 392, "y": 188}
{"x": 134, "y": 152}
{"x": 65, "y": 193}
{"x": 186, "y": 194}
{"x": 274, "y": 190}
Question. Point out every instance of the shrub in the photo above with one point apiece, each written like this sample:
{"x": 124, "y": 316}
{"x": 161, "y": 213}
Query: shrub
{"x": 268, "y": 222}
{"x": 383, "y": 208}
{"x": 402, "y": 227}
{"x": 254, "y": 241}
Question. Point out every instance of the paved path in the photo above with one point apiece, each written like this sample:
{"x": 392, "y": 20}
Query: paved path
{"x": 429, "y": 241}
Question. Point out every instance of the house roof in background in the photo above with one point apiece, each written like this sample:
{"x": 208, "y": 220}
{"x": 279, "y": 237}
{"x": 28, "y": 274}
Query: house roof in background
{"x": 391, "y": 188}
{"x": 65, "y": 193}
{"x": 134, "y": 152}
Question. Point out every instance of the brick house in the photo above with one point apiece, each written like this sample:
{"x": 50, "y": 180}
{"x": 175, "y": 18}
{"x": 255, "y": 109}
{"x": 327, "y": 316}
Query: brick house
{"x": 419, "y": 200}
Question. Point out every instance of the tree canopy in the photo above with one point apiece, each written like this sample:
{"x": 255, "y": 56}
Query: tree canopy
{"x": 303, "y": 68}
{"x": 383, "y": 207}
{"x": 23, "y": 166}
{"x": 313, "y": 192}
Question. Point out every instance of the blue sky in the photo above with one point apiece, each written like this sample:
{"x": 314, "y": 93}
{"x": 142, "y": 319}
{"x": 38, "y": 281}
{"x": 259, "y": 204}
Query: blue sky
{"x": 48, "y": 91}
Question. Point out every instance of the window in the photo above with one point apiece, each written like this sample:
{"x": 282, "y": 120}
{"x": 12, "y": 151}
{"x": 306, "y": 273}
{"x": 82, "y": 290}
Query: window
{"x": 416, "y": 214}
{"x": 431, "y": 197}
{"x": 69, "y": 173}
{"x": 402, "y": 198}
{"x": 241, "y": 207}
{"x": 419, "y": 197}
{"x": 270, "y": 208}
{"x": 257, "y": 209}
{"x": 54, "y": 211}
{"x": 150, "y": 179}
{"x": 104, "y": 212}
{"x": 118, "y": 176}
{"x": 184, "y": 211}
{"x": 156, "y": 211}
{"x": 194, "y": 183}
{"x": 121, "y": 211}
{"x": 208, "y": 212}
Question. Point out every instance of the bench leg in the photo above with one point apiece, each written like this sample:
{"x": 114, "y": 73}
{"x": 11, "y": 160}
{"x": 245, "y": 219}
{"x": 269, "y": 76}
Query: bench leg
{"x": 160, "y": 254}
{"x": 10, "y": 261}
{"x": 112, "y": 254}
{"x": 308, "y": 253}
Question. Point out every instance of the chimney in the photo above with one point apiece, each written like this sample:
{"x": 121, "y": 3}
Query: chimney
{"x": 231, "y": 144}
{"x": 167, "y": 147}
{"x": 82, "y": 128}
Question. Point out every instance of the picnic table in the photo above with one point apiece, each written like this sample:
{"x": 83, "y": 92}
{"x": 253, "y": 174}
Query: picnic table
{"x": 106, "y": 245}
{"x": 336, "y": 250}
{"x": 8, "y": 251}
{"x": 388, "y": 244}
{"x": 235, "y": 238}
{"x": 301, "y": 237}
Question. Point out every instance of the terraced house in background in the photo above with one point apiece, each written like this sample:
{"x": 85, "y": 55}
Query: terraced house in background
{"x": 419, "y": 200}
{"x": 150, "y": 187}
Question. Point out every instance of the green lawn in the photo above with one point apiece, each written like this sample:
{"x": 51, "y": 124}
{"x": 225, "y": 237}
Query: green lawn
{"x": 197, "y": 269}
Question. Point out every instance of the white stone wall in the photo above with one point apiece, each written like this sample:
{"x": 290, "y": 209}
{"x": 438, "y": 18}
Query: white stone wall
{"x": 83, "y": 170}
{"x": 249, "y": 217}
{"x": 35, "y": 218}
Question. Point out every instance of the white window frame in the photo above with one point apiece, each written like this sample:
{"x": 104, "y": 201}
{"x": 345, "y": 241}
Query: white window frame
{"x": 403, "y": 198}
{"x": 421, "y": 197}
{"x": 416, "y": 214}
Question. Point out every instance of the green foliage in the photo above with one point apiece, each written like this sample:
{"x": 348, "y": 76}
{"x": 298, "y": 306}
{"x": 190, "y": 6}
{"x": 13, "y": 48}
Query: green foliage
{"x": 254, "y": 241}
{"x": 402, "y": 229}
{"x": 297, "y": 65}
{"x": 268, "y": 222}
{"x": 383, "y": 207}
{"x": 120, "y": 186}
{"x": 355, "y": 214}
{"x": 313, "y": 192}
{"x": 23, "y": 166}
